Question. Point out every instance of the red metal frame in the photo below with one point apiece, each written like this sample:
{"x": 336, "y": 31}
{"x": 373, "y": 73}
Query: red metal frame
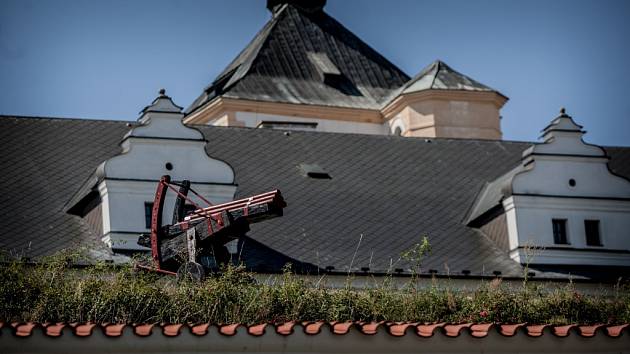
{"x": 211, "y": 213}
{"x": 156, "y": 220}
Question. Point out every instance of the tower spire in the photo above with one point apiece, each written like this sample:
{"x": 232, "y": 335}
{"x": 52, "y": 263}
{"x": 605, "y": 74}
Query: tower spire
{"x": 304, "y": 5}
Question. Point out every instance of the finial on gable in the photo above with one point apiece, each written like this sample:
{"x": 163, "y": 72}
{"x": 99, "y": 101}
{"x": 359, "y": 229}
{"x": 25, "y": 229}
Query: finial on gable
{"x": 564, "y": 123}
{"x": 163, "y": 104}
{"x": 563, "y": 136}
{"x": 162, "y": 119}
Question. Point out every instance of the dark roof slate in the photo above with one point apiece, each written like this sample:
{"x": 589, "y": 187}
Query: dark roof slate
{"x": 385, "y": 193}
{"x": 493, "y": 193}
{"x": 275, "y": 66}
{"x": 43, "y": 162}
{"x": 439, "y": 76}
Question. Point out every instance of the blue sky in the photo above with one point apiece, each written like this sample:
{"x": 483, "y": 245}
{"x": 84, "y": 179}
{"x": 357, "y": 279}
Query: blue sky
{"x": 108, "y": 59}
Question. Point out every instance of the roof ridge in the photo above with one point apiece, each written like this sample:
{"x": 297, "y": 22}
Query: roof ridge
{"x": 17, "y": 116}
{"x": 253, "y": 55}
{"x": 204, "y": 126}
{"x": 471, "y": 79}
{"x": 263, "y": 32}
{"x": 235, "y": 66}
{"x": 437, "y": 70}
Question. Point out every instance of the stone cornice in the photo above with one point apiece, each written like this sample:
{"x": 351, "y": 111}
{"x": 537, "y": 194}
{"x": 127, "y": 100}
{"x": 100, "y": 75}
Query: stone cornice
{"x": 404, "y": 100}
{"x": 221, "y": 106}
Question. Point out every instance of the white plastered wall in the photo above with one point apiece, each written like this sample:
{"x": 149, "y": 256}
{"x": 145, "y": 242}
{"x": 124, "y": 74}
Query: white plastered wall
{"x": 551, "y": 175}
{"x": 530, "y": 224}
{"x": 161, "y": 145}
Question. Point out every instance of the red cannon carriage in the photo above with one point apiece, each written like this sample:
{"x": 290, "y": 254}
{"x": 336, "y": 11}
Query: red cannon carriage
{"x": 177, "y": 248}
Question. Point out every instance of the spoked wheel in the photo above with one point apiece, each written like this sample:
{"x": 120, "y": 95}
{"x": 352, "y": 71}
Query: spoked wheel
{"x": 190, "y": 271}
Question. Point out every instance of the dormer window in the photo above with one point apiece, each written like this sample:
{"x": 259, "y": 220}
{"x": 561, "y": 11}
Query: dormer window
{"x": 591, "y": 229}
{"x": 324, "y": 66}
{"x": 560, "y": 231}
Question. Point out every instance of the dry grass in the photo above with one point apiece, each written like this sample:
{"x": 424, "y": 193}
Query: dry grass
{"x": 52, "y": 292}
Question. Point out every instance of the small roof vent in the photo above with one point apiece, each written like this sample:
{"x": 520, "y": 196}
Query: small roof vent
{"x": 265, "y": 124}
{"x": 314, "y": 171}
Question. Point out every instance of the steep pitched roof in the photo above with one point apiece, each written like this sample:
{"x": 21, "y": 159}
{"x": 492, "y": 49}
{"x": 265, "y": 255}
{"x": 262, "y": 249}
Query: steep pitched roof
{"x": 439, "y": 76}
{"x": 278, "y": 65}
{"x": 385, "y": 193}
{"x": 44, "y": 161}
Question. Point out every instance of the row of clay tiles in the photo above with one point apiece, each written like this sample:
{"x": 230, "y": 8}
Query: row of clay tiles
{"x": 396, "y": 329}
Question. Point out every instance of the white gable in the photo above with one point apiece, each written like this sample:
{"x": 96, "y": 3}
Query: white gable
{"x": 161, "y": 144}
{"x": 564, "y": 165}
{"x": 566, "y": 200}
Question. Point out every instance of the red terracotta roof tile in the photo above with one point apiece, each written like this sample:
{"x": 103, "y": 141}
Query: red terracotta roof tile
{"x": 562, "y": 331}
{"x": 480, "y": 330}
{"x": 257, "y": 330}
{"x": 200, "y": 329}
{"x": 399, "y": 329}
{"x": 615, "y": 331}
{"x": 84, "y": 330}
{"x": 535, "y": 330}
{"x": 143, "y": 330}
{"x": 455, "y": 329}
{"x": 23, "y": 329}
{"x": 428, "y": 330}
{"x": 370, "y": 328}
{"x": 510, "y": 330}
{"x": 589, "y": 331}
{"x": 342, "y": 327}
{"x": 285, "y": 329}
{"x": 229, "y": 330}
{"x": 54, "y": 329}
{"x": 396, "y": 329}
{"x": 114, "y": 330}
{"x": 314, "y": 327}
{"x": 171, "y": 330}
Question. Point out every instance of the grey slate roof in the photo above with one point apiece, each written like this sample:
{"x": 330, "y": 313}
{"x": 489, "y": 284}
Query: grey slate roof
{"x": 43, "y": 162}
{"x": 493, "y": 193}
{"x": 275, "y": 66}
{"x": 386, "y": 192}
{"x": 439, "y": 76}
